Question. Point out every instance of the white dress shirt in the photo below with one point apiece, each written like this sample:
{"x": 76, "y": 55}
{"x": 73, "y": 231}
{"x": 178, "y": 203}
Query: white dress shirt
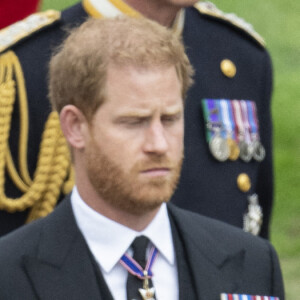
{"x": 109, "y": 240}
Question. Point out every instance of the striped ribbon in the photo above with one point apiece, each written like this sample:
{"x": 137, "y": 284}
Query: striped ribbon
{"x": 222, "y": 117}
{"x": 237, "y": 111}
{"x": 251, "y": 118}
{"x": 244, "y": 109}
{"x": 227, "y": 117}
{"x": 238, "y": 118}
{"x": 254, "y": 112}
{"x": 212, "y": 116}
{"x": 133, "y": 267}
{"x": 246, "y": 297}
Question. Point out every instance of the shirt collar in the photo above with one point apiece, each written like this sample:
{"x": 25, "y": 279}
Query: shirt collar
{"x": 113, "y": 8}
{"x": 109, "y": 240}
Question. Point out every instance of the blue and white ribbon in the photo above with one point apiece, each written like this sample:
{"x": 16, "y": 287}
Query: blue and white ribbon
{"x": 135, "y": 268}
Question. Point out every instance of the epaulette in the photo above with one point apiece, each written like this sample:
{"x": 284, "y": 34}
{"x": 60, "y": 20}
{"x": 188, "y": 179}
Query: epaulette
{"x": 210, "y": 9}
{"x": 22, "y": 29}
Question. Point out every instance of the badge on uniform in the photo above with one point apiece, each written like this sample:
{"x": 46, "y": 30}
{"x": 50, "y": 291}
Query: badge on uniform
{"x": 254, "y": 217}
{"x": 246, "y": 297}
{"x": 232, "y": 129}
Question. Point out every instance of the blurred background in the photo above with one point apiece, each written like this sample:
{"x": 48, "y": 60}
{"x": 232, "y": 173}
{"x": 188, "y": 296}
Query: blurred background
{"x": 279, "y": 23}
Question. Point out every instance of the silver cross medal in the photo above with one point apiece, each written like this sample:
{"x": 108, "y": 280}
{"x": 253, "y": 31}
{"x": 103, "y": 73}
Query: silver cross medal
{"x": 146, "y": 292}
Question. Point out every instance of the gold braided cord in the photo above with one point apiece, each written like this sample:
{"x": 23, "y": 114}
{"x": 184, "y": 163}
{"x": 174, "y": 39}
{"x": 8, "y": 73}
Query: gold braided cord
{"x": 42, "y": 193}
{"x": 57, "y": 176}
{"x": 24, "y": 181}
{"x": 7, "y": 62}
{"x": 7, "y": 97}
{"x": 19, "y": 183}
{"x": 24, "y": 116}
{"x": 37, "y": 189}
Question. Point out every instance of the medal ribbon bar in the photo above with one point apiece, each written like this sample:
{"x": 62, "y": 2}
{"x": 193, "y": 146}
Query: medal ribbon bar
{"x": 227, "y": 118}
{"x": 246, "y": 297}
{"x": 236, "y": 122}
{"x": 243, "y": 105}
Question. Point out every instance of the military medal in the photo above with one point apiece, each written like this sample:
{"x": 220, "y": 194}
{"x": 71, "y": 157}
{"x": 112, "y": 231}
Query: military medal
{"x": 249, "y": 149}
{"x": 259, "y": 152}
{"x": 219, "y": 147}
{"x": 234, "y": 150}
{"x": 243, "y": 133}
{"x": 228, "y": 121}
{"x": 245, "y": 150}
{"x": 146, "y": 292}
{"x": 232, "y": 130}
{"x": 135, "y": 269}
{"x": 217, "y": 143}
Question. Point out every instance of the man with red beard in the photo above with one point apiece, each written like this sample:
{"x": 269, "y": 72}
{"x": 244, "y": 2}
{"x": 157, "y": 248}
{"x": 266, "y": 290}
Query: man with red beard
{"x": 227, "y": 171}
{"x": 118, "y": 86}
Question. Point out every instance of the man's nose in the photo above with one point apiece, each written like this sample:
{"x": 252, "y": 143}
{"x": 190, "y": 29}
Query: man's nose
{"x": 156, "y": 139}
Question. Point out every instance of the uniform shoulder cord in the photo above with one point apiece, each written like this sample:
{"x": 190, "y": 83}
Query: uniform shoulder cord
{"x": 41, "y": 193}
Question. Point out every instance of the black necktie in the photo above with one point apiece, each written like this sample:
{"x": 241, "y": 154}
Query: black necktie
{"x": 139, "y": 247}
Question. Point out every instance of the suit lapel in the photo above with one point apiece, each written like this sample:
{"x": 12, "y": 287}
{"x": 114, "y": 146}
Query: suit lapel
{"x": 214, "y": 270}
{"x": 62, "y": 268}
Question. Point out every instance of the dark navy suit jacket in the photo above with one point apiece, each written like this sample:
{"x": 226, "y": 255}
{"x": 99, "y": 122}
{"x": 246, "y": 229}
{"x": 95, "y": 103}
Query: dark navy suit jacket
{"x": 49, "y": 259}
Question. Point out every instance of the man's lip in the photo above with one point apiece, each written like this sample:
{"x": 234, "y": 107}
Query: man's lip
{"x": 161, "y": 171}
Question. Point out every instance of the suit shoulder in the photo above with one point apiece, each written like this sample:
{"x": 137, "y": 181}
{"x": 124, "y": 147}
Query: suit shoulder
{"x": 209, "y": 9}
{"x": 13, "y": 248}
{"x": 20, "y": 241}
{"x": 27, "y": 27}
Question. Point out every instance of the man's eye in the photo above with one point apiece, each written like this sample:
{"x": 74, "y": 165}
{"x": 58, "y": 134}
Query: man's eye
{"x": 171, "y": 118}
{"x": 134, "y": 121}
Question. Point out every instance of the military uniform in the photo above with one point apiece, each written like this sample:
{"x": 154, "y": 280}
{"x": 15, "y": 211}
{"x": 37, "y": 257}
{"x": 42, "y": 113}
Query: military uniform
{"x": 231, "y": 64}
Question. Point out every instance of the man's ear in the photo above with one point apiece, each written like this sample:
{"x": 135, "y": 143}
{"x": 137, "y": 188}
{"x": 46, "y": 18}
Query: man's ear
{"x": 74, "y": 126}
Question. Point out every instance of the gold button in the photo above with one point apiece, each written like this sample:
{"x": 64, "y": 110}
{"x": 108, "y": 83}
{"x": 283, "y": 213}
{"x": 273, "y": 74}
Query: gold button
{"x": 244, "y": 182}
{"x": 228, "y": 68}
{"x": 234, "y": 150}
